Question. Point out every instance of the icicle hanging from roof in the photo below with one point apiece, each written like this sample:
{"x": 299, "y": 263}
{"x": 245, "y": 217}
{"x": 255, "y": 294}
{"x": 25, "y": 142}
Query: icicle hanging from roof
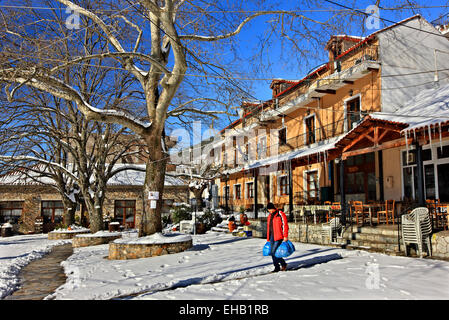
{"x": 441, "y": 138}
{"x": 325, "y": 161}
{"x": 406, "y": 145}
{"x": 430, "y": 133}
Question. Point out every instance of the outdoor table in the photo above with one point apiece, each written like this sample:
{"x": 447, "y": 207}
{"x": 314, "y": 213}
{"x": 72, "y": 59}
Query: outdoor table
{"x": 313, "y": 209}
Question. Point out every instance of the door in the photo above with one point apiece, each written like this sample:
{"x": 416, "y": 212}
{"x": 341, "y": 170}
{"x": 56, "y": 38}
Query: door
{"x": 443, "y": 182}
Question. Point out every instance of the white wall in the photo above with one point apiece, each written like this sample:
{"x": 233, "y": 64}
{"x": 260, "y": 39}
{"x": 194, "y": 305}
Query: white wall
{"x": 404, "y": 50}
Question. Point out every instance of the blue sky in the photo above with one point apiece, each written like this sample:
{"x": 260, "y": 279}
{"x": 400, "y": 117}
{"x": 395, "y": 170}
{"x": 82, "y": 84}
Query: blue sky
{"x": 430, "y": 10}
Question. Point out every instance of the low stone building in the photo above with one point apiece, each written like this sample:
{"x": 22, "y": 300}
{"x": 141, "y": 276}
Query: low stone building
{"x": 22, "y": 203}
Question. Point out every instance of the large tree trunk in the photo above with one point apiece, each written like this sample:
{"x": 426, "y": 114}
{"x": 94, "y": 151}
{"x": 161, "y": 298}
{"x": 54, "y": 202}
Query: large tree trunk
{"x": 154, "y": 182}
{"x": 95, "y": 215}
{"x": 198, "y": 193}
{"x": 69, "y": 212}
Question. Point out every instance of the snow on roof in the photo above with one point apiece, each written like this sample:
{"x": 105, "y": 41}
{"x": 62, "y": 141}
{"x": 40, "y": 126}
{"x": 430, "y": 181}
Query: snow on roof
{"x": 134, "y": 176}
{"x": 317, "y": 148}
{"x": 428, "y": 108}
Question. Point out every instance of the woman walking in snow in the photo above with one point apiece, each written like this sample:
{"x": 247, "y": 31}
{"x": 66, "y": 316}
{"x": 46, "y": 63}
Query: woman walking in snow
{"x": 277, "y": 231}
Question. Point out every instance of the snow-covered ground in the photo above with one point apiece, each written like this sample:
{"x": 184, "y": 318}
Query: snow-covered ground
{"x": 16, "y": 252}
{"x": 223, "y": 267}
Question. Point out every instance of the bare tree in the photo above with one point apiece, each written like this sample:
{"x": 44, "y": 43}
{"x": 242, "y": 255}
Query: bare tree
{"x": 51, "y": 143}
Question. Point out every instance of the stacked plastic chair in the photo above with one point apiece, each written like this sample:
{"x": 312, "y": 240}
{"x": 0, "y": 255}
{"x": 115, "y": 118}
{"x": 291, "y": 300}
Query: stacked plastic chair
{"x": 331, "y": 228}
{"x": 417, "y": 229}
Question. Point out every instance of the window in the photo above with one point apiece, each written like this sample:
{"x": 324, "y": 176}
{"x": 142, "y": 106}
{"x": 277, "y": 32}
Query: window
{"x": 125, "y": 212}
{"x": 52, "y": 211}
{"x": 283, "y": 185}
{"x": 237, "y": 191}
{"x": 312, "y": 185}
{"x": 10, "y": 211}
{"x": 250, "y": 190}
{"x": 282, "y": 133}
{"x": 262, "y": 147}
{"x": 310, "y": 129}
{"x": 353, "y": 112}
{"x": 435, "y": 170}
{"x": 442, "y": 152}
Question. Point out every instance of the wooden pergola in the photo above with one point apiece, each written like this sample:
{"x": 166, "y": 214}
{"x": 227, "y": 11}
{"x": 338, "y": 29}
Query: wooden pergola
{"x": 372, "y": 135}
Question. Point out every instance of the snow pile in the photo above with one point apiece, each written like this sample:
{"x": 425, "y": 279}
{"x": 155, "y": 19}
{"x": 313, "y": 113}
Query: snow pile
{"x": 72, "y": 229}
{"x": 100, "y": 234}
{"x": 157, "y": 238}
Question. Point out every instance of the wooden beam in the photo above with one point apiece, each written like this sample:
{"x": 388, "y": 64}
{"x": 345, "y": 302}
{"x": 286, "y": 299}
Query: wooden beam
{"x": 387, "y": 145}
{"x": 357, "y": 140}
{"x": 376, "y": 135}
{"x": 383, "y": 134}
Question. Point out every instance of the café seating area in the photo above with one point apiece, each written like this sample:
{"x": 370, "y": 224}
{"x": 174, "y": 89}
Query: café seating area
{"x": 370, "y": 213}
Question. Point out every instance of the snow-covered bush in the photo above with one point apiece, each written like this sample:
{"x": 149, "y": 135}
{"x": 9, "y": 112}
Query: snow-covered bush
{"x": 210, "y": 219}
{"x": 180, "y": 213}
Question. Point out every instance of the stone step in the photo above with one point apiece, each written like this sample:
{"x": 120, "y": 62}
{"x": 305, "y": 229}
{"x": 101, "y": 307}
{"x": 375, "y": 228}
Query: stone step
{"x": 376, "y": 250}
{"x": 371, "y": 237}
{"x": 387, "y": 231}
{"x": 382, "y": 246}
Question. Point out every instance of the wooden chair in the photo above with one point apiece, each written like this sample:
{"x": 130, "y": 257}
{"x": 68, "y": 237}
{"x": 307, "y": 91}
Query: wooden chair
{"x": 387, "y": 213}
{"x": 327, "y": 203}
{"x": 441, "y": 216}
{"x": 358, "y": 212}
{"x": 432, "y": 204}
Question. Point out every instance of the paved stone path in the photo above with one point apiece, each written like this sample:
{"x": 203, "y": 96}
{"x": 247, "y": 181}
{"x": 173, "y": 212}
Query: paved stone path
{"x": 43, "y": 276}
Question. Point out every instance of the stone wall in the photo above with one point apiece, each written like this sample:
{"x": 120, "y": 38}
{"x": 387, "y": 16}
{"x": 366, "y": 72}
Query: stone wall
{"x": 123, "y": 251}
{"x": 56, "y": 235}
{"x": 31, "y": 197}
{"x": 440, "y": 244}
{"x": 83, "y": 241}
{"x": 299, "y": 232}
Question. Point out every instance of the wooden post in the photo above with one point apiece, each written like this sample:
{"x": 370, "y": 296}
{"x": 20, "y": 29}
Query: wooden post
{"x": 256, "y": 204}
{"x": 419, "y": 164}
{"x": 331, "y": 178}
{"x": 381, "y": 175}
{"x": 342, "y": 192}
{"x": 290, "y": 191}
{"x": 226, "y": 194}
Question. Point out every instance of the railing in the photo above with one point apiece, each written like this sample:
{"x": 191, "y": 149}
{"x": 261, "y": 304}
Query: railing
{"x": 305, "y": 139}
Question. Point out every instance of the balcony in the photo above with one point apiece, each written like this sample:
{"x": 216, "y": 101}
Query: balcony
{"x": 306, "y": 140}
{"x": 351, "y": 68}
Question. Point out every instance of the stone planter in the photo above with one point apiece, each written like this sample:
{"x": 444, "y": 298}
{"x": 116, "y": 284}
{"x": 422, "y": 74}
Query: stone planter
{"x": 64, "y": 235}
{"x": 145, "y": 247}
{"x": 440, "y": 244}
{"x": 87, "y": 240}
